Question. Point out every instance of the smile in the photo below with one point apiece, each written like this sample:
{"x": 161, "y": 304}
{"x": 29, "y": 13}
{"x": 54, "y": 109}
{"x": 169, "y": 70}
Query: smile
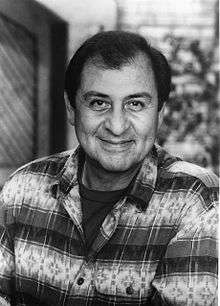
{"x": 112, "y": 145}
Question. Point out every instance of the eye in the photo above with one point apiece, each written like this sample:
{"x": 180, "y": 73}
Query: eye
{"x": 135, "y": 105}
{"x": 99, "y": 105}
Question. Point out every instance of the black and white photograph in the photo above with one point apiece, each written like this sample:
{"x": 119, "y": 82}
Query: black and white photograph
{"x": 109, "y": 152}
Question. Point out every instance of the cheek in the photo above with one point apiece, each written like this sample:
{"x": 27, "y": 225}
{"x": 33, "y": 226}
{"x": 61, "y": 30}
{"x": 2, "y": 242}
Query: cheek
{"x": 83, "y": 122}
{"x": 87, "y": 125}
{"x": 146, "y": 127}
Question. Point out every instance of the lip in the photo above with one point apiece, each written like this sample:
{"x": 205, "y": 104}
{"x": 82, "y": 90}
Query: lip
{"x": 113, "y": 145}
{"x": 116, "y": 142}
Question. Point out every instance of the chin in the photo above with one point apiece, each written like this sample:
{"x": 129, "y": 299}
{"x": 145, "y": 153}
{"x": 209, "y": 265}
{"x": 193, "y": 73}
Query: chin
{"x": 118, "y": 166}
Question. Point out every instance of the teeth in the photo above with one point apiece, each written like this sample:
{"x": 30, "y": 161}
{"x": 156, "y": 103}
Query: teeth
{"x": 116, "y": 143}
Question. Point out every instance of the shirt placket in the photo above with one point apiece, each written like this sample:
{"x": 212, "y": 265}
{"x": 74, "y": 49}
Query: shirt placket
{"x": 84, "y": 281}
{"x": 107, "y": 229}
{"x": 83, "y": 284}
{"x": 72, "y": 204}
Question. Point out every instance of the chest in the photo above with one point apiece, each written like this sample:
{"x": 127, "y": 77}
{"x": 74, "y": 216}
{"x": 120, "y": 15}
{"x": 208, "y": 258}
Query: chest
{"x": 122, "y": 261}
{"x": 124, "y": 267}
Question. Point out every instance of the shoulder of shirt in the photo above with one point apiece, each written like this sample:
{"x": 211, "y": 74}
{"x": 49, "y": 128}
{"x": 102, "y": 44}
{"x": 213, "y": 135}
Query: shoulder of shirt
{"x": 37, "y": 175}
{"x": 183, "y": 168}
{"x": 33, "y": 182}
{"x": 40, "y": 172}
{"x": 172, "y": 167}
{"x": 50, "y": 165}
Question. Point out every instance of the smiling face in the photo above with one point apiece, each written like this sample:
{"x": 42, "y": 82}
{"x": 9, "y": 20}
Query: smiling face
{"x": 116, "y": 114}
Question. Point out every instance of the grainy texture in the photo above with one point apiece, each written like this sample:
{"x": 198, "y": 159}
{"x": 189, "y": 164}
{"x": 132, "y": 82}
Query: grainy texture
{"x": 17, "y": 74}
{"x": 157, "y": 246}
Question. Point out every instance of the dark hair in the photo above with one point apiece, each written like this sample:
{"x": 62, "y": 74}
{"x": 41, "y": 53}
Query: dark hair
{"x": 112, "y": 50}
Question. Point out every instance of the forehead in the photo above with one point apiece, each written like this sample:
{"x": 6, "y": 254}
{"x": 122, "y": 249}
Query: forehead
{"x": 137, "y": 73}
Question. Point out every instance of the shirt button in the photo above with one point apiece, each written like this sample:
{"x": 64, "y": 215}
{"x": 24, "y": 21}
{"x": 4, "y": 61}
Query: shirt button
{"x": 129, "y": 290}
{"x": 80, "y": 281}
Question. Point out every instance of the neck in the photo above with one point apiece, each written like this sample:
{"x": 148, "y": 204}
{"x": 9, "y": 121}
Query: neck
{"x": 97, "y": 178}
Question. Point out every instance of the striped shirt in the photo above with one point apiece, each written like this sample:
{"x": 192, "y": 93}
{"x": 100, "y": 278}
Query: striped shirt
{"x": 157, "y": 246}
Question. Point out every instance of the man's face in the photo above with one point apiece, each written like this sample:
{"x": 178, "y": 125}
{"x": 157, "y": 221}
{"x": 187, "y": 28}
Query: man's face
{"x": 116, "y": 114}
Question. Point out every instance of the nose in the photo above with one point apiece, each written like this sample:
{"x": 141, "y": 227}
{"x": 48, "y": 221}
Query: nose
{"x": 117, "y": 123}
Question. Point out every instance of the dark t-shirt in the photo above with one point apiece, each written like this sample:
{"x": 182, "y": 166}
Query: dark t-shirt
{"x": 95, "y": 207}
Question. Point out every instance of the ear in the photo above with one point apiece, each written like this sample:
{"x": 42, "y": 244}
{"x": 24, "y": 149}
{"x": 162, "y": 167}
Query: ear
{"x": 70, "y": 110}
{"x": 161, "y": 115}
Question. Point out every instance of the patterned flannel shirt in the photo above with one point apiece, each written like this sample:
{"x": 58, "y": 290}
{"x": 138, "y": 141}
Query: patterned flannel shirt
{"x": 156, "y": 247}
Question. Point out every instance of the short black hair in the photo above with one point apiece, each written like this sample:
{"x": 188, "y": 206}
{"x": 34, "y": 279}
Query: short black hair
{"x": 113, "y": 49}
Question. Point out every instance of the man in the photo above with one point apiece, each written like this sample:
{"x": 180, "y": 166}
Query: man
{"x": 118, "y": 221}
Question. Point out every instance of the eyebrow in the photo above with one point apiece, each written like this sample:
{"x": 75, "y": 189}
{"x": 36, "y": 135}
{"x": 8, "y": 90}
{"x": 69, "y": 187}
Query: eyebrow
{"x": 104, "y": 96}
{"x": 92, "y": 93}
{"x": 139, "y": 95}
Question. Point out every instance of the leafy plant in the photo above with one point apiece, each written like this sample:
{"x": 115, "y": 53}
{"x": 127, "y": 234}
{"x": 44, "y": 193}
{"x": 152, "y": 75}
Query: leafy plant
{"x": 191, "y": 119}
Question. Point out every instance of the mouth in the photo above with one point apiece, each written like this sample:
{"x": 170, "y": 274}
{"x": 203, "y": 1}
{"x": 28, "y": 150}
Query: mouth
{"x": 116, "y": 145}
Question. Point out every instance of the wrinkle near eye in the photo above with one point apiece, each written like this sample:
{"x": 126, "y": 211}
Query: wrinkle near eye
{"x": 99, "y": 105}
{"x": 138, "y": 105}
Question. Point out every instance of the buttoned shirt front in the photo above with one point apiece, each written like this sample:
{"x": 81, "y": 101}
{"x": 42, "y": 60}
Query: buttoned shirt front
{"x": 156, "y": 247}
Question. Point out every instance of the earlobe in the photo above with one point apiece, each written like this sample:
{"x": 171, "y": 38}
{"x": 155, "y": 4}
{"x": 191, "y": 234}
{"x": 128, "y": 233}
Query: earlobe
{"x": 70, "y": 110}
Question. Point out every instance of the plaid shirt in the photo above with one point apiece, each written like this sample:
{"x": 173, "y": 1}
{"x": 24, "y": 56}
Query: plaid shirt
{"x": 156, "y": 247}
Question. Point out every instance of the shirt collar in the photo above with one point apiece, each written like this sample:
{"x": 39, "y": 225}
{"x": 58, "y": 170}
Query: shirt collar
{"x": 68, "y": 176}
{"x": 142, "y": 186}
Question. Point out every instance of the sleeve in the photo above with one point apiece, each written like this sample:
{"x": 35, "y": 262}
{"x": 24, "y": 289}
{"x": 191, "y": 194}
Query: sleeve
{"x": 6, "y": 257}
{"x": 187, "y": 273}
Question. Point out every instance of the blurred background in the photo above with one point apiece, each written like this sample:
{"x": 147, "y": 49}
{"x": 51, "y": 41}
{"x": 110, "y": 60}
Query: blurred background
{"x": 38, "y": 37}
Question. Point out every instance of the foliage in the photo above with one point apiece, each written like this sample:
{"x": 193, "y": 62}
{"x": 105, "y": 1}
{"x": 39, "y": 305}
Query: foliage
{"x": 191, "y": 118}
